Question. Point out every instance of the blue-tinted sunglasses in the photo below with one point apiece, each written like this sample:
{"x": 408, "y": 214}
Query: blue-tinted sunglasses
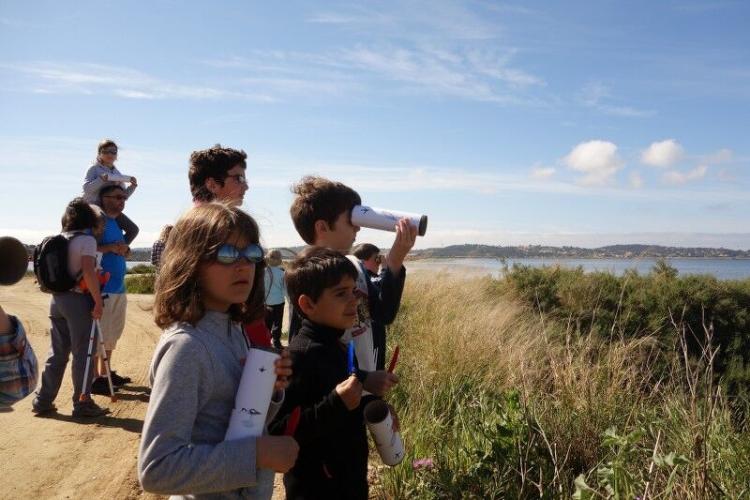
{"x": 229, "y": 254}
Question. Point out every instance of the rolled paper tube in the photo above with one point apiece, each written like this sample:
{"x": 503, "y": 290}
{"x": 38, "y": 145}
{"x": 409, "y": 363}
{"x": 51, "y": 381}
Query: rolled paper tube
{"x": 253, "y": 395}
{"x": 381, "y": 218}
{"x": 13, "y": 260}
{"x": 119, "y": 178}
{"x": 380, "y": 422}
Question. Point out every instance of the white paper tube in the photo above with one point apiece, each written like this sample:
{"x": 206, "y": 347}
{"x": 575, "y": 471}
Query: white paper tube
{"x": 119, "y": 178}
{"x": 381, "y": 218}
{"x": 380, "y": 422}
{"x": 253, "y": 395}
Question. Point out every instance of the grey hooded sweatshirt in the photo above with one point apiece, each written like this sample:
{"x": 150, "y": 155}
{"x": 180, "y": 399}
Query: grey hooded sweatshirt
{"x": 195, "y": 374}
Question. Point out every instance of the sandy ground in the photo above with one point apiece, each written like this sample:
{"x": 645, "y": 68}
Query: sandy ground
{"x": 62, "y": 457}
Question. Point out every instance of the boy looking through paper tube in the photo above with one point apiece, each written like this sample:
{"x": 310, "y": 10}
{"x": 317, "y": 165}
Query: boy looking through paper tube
{"x": 321, "y": 212}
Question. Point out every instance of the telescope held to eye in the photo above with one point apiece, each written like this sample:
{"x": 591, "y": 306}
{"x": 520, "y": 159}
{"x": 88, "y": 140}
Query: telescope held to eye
{"x": 386, "y": 220}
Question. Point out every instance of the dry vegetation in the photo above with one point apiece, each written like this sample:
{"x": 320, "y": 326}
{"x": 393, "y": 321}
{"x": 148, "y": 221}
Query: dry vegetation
{"x": 509, "y": 401}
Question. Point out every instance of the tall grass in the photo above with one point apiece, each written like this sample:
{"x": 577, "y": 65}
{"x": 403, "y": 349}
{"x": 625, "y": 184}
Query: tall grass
{"x": 508, "y": 402}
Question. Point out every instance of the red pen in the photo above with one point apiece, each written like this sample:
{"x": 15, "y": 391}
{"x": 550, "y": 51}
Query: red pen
{"x": 394, "y": 359}
{"x": 291, "y": 424}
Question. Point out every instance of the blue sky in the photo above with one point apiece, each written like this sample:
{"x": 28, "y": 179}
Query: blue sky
{"x": 582, "y": 123}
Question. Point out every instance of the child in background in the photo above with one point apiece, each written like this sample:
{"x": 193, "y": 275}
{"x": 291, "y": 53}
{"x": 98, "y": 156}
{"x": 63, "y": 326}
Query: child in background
{"x": 332, "y": 461}
{"x": 210, "y": 282}
{"x": 158, "y": 247}
{"x": 275, "y": 295}
{"x": 97, "y": 176}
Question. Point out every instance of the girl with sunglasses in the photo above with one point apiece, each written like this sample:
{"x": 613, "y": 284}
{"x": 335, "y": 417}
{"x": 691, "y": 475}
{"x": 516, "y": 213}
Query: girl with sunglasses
{"x": 98, "y": 176}
{"x": 210, "y": 282}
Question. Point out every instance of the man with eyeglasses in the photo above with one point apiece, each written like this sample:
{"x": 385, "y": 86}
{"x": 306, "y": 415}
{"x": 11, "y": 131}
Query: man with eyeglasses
{"x": 218, "y": 173}
{"x": 114, "y": 250}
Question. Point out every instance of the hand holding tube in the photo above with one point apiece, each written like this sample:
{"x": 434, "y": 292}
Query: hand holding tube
{"x": 277, "y": 453}
{"x": 406, "y": 235}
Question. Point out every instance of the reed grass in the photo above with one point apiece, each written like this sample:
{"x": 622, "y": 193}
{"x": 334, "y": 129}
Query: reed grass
{"x": 507, "y": 402}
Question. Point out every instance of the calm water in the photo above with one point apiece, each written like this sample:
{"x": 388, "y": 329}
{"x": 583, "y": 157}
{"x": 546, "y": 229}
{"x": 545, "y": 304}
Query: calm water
{"x": 721, "y": 268}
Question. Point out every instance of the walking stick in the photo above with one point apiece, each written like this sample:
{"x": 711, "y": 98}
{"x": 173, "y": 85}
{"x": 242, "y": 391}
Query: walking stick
{"x": 106, "y": 362}
{"x": 84, "y": 393}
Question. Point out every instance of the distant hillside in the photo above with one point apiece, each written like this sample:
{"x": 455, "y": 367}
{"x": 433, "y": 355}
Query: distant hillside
{"x": 612, "y": 251}
{"x": 529, "y": 251}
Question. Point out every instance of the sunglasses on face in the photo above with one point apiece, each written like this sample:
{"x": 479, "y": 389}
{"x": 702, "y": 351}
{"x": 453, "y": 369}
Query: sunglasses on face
{"x": 118, "y": 197}
{"x": 109, "y": 151}
{"x": 229, "y": 254}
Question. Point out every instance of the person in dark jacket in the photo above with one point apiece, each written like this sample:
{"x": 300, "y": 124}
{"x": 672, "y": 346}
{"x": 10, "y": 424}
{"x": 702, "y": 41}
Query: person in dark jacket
{"x": 369, "y": 255}
{"x": 332, "y": 461}
{"x": 321, "y": 212}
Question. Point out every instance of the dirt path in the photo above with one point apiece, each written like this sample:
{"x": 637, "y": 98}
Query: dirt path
{"x": 59, "y": 457}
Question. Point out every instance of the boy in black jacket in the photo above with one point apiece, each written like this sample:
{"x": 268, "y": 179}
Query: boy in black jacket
{"x": 321, "y": 212}
{"x": 332, "y": 461}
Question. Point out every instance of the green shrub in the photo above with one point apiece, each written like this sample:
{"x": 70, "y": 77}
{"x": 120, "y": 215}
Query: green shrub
{"x": 140, "y": 283}
{"x": 633, "y": 305}
{"x": 141, "y": 269}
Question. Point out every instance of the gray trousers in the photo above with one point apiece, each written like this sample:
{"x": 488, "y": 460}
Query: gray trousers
{"x": 70, "y": 314}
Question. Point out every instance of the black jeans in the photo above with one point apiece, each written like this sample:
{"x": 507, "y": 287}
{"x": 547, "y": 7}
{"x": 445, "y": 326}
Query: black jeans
{"x": 274, "y": 318}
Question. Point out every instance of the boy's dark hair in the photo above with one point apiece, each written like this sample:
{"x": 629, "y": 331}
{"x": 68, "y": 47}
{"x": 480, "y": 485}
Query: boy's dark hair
{"x": 364, "y": 251}
{"x": 314, "y": 270}
{"x": 78, "y": 216}
{"x": 318, "y": 198}
{"x": 106, "y": 190}
{"x": 212, "y": 163}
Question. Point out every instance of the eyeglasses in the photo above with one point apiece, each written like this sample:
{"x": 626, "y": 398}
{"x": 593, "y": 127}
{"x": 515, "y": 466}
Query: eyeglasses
{"x": 118, "y": 197}
{"x": 240, "y": 178}
{"x": 109, "y": 151}
{"x": 229, "y": 254}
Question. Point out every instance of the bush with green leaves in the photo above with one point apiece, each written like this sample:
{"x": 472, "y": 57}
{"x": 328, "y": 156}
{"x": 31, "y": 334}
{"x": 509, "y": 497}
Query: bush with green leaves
{"x": 141, "y": 269}
{"x": 633, "y": 305}
{"x": 140, "y": 283}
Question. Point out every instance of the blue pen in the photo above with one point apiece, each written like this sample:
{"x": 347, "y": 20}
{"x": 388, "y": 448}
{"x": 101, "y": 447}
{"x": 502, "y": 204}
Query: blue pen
{"x": 350, "y": 358}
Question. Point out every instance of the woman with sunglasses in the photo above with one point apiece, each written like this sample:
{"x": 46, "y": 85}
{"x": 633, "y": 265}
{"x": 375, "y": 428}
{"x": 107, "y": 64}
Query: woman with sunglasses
{"x": 99, "y": 175}
{"x": 211, "y": 281}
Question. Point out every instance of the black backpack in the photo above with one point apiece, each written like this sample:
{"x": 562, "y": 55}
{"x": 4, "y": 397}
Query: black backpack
{"x": 51, "y": 264}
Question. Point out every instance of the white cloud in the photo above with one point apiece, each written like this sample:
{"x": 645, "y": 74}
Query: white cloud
{"x": 725, "y": 175}
{"x": 662, "y": 154}
{"x": 93, "y": 79}
{"x": 541, "y": 172}
{"x": 724, "y": 155}
{"x": 597, "y": 160}
{"x": 593, "y": 93}
{"x": 468, "y": 74}
{"x": 675, "y": 177}
{"x": 636, "y": 181}
{"x": 625, "y": 111}
{"x": 596, "y": 94}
